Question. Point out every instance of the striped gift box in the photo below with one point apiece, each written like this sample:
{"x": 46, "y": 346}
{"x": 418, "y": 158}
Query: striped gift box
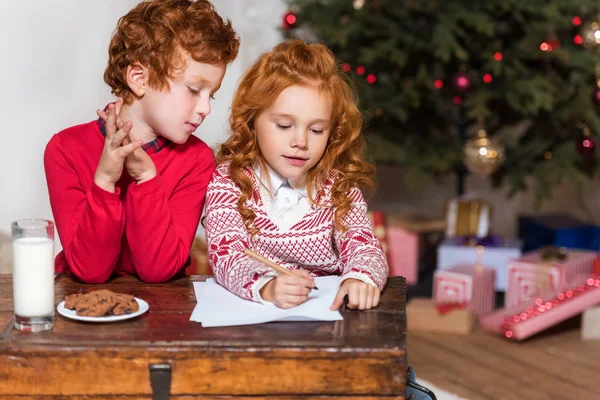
{"x": 466, "y": 284}
{"x": 530, "y": 275}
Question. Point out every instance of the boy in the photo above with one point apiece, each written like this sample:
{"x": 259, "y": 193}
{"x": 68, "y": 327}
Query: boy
{"x": 129, "y": 202}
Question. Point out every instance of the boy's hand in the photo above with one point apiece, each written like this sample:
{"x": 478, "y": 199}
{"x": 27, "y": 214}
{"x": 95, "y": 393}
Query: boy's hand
{"x": 360, "y": 295}
{"x": 287, "y": 291}
{"x": 139, "y": 165}
{"x": 115, "y": 151}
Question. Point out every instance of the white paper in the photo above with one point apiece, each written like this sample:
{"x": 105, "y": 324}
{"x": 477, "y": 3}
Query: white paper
{"x": 216, "y": 306}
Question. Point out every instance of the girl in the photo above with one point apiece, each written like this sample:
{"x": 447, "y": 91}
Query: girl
{"x": 286, "y": 185}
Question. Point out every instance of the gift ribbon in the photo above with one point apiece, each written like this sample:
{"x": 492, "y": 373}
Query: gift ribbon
{"x": 490, "y": 240}
{"x": 445, "y": 308}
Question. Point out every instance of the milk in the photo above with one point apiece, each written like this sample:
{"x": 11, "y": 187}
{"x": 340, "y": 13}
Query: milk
{"x": 33, "y": 276}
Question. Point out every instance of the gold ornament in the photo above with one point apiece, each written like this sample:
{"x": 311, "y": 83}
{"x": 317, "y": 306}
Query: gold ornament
{"x": 590, "y": 33}
{"x": 483, "y": 155}
{"x": 358, "y": 4}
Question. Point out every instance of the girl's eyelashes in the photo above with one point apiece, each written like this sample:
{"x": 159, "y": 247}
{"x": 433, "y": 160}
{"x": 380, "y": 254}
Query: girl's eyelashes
{"x": 281, "y": 126}
{"x": 317, "y": 131}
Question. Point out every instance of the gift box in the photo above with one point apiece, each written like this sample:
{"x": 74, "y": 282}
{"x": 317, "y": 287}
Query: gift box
{"x": 199, "y": 259}
{"x": 496, "y": 256}
{"x": 590, "y": 324}
{"x": 470, "y": 284}
{"x": 468, "y": 217}
{"x": 557, "y": 230}
{"x": 532, "y": 274}
{"x": 423, "y": 315}
{"x": 536, "y": 315}
{"x": 408, "y": 238}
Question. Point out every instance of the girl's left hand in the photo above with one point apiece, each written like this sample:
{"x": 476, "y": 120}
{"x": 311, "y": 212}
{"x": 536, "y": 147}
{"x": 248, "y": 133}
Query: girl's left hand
{"x": 360, "y": 295}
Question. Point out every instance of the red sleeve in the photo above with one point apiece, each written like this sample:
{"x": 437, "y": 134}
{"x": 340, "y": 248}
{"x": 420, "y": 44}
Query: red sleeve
{"x": 90, "y": 222}
{"x": 160, "y": 230}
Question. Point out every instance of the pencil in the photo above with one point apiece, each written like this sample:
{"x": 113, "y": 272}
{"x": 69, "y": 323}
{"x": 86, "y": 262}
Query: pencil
{"x": 270, "y": 264}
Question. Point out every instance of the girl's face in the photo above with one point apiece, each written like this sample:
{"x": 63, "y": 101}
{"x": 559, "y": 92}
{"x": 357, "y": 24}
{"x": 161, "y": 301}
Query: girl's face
{"x": 293, "y": 132}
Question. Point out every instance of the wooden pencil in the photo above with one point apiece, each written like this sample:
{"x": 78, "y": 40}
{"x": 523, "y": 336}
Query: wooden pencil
{"x": 270, "y": 264}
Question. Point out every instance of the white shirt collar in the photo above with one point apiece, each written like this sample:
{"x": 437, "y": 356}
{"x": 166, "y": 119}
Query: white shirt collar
{"x": 276, "y": 180}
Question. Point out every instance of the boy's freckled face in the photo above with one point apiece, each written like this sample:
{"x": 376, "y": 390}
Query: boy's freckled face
{"x": 175, "y": 113}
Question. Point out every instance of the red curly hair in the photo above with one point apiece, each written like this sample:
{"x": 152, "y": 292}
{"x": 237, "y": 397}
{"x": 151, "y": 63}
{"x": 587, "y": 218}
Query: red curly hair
{"x": 296, "y": 63}
{"x": 159, "y": 33}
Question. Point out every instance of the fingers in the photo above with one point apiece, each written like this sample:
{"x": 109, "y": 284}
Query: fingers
{"x": 376, "y": 298}
{"x": 339, "y": 299}
{"x": 118, "y": 104}
{"x": 127, "y": 149}
{"x": 117, "y": 140}
{"x": 361, "y": 296}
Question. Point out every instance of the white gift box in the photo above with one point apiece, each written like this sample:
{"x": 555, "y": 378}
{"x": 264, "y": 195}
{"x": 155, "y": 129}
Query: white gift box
{"x": 450, "y": 254}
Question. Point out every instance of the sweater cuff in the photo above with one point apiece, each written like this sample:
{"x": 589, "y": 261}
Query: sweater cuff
{"x": 106, "y": 196}
{"x": 359, "y": 276}
{"x": 142, "y": 189}
{"x": 259, "y": 284}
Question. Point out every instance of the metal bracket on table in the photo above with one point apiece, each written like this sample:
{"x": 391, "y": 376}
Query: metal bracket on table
{"x": 160, "y": 380}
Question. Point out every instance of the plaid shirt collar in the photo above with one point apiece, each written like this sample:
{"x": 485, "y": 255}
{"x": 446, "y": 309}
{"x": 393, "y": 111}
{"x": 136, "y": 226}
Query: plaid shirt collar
{"x": 152, "y": 147}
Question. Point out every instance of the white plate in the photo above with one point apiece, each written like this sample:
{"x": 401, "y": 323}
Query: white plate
{"x": 72, "y": 314}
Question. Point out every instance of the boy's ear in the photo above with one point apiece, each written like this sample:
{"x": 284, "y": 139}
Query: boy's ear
{"x": 137, "y": 79}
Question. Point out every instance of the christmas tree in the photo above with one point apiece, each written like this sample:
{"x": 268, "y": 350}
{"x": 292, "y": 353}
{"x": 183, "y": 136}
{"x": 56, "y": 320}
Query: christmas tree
{"x": 432, "y": 75}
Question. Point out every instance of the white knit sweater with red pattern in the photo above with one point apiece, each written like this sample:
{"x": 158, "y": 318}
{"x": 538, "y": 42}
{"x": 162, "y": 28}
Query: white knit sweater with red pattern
{"x": 313, "y": 243}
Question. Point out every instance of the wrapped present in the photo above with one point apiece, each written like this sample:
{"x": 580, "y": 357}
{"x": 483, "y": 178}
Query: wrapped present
{"x": 199, "y": 259}
{"x": 468, "y": 217}
{"x": 470, "y": 284}
{"x": 549, "y": 309}
{"x": 596, "y": 266}
{"x": 536, "y": 272}
{"x": 496, "y": 256}
{"x": 378, "y": 221}
{"x": 408, "y": 237}
{"x": 590, "y": 324}
{"x": 423, "y": 315}
{"x": 557, "y": 230}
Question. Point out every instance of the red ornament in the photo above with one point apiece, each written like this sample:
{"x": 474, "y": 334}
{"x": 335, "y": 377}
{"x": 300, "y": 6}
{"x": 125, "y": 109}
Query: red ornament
{"x": 438, "y": 83}
{"x": 545, "y": 47}
{"x": 586, "y": 146}
{"x": 462, "y": 82}
{"x": 576, "y": 20}
{"x": 289, "y": 20}
{"x": 487, "y": 78}
{"x": 346, "y": 67}
{"x": 361, "y": 70}
{"x": 578, "y": 39}
{"x": 371, "y": 78}
{"x": 596, "y": 97}
{"x": 498, "y": 56}
{"x": 457, "y": 100}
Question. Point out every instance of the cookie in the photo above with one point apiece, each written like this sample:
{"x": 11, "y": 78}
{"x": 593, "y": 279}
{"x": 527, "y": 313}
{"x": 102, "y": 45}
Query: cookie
{"x": 96, "y": 303}
{"x": 72, "y": 300}
{"x": 126, "y": 307}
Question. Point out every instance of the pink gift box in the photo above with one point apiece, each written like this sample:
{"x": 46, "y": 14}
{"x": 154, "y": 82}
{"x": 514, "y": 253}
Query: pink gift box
{"x": 403, "y": 254}
{"x": 406, "y": 239}
{"x": 522, "y": 274}
{"x": 535, "y": 315}
{"x": 466, "y": 284}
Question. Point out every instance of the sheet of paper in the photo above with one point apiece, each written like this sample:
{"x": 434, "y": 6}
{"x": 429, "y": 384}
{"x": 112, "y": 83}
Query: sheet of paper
{"x": 216, "y": 306}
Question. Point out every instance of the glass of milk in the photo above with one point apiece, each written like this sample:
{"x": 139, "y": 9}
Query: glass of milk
{"x": 33, "y": 274}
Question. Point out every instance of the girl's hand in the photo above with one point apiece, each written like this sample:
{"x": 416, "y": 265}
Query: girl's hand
{"x": 360, "y": 295}
{"x": 287, "y": 291}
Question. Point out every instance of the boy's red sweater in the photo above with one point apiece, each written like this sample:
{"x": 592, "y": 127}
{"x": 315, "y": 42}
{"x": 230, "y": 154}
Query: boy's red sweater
{"x": 144, "y": 229}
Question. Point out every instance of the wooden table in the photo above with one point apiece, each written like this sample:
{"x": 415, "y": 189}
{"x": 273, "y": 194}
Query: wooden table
{"x": 162, "y": 352}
